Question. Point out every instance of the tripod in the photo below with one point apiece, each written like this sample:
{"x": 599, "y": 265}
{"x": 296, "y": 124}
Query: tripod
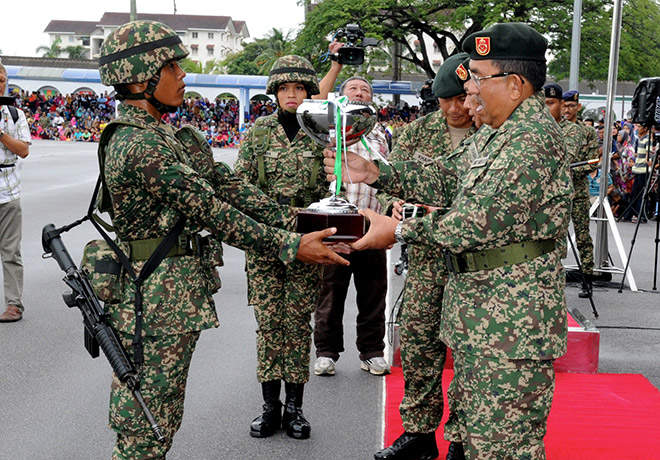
{"x": 642, "y": 210}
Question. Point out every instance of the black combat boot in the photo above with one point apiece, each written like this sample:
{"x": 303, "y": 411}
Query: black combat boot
{"x": 269, "y": 422}
{"x": 455, "y": 451}
{"x": 410, "y": 446}
{"x": 293, "y": 420}
{"x": 585, "y": 291}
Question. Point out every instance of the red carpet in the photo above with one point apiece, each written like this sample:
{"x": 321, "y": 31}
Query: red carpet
{"x": 593, "y": 417}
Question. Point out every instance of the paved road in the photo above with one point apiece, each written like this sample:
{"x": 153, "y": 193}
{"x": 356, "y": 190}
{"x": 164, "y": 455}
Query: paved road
{"x": 53, "y": 397}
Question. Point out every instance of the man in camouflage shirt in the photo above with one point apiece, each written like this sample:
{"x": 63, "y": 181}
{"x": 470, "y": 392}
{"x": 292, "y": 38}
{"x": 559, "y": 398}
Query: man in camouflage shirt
{"x": 154, "y": 181}
{"x": 587, "y": 150}
{"x": 504, "y": 312}
{"x": 423, "y": 354}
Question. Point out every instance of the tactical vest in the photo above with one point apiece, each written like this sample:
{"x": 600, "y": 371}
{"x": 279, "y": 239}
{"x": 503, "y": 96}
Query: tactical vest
{"x": 260, "y": 142}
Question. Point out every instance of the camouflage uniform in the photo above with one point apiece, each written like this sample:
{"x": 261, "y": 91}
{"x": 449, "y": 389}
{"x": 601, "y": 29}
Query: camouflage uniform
{"x": 506, "y": 324}
{"x": 152, "y": 183}
{"x": 423, "y": 354}
{"x": 581, "y": 204}
{"x": 283, "y": 297}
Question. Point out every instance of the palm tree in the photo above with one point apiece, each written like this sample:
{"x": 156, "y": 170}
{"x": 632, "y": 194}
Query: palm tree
{"x": 51, "y": 51}
{"x": 212, "y": 66}
{"x": 76, "y": 52}
{"x": 277, "y": 45}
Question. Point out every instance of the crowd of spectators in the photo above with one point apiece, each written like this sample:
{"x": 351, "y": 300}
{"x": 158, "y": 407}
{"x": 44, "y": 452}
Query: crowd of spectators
{"x": 82, "y": 116}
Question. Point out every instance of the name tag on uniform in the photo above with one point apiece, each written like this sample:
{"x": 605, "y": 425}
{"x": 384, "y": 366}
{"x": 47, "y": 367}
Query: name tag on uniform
{"x": 272, "y": 154}
{"x": 422, "y": 158}
{"x": 308, "y": 154}
{"x": 477, "y": 160}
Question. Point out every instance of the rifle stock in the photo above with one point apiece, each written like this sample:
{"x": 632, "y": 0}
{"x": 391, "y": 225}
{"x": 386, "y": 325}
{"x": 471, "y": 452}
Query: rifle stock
{"x": 98, "y": 332}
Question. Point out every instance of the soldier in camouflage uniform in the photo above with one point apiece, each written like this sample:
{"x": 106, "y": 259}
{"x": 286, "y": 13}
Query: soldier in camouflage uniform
{"x": 423, "y": 354}
{"x": 286, "y": 164}
{"x": 587, "y": 150}
{"x": 153, "y": 182}
{"x": 504, "y": 311}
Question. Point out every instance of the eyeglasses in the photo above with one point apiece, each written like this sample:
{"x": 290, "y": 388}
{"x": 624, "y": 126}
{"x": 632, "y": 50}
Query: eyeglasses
{"x": 570, "y": 105}
{"x": 477, "y": 80}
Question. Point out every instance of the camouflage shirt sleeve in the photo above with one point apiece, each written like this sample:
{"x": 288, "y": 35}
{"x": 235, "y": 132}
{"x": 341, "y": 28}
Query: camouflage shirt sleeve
{"x": 151, "y": 165}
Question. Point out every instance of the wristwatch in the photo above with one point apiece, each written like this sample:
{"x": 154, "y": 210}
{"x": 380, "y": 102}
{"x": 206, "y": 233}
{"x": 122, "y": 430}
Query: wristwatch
{"x": 397, "y": 233}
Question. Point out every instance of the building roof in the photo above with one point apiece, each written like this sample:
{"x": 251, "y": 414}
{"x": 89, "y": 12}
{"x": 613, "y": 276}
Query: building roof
{"x": 74, "y": 27}
{"x": 176, "y": 21}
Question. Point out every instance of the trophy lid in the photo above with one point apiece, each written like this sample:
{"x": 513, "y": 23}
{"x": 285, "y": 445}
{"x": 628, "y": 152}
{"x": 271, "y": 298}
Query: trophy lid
{"x": 317, "y": 119}
{"x": 333, "y": 205}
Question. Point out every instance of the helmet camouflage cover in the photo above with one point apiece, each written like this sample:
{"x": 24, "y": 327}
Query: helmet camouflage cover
{"x": 292, "y": 68}
{"x": 137, "y": 50}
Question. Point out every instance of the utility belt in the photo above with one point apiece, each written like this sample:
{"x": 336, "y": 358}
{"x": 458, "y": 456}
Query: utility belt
{"x": 10, "y": 165}
{"x": 186, "y": 245}
{"x": 497, "y": 257}
{"x": 296, "y": 201}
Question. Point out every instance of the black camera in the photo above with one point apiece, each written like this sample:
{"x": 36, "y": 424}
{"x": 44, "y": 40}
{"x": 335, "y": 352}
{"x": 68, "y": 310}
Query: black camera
{"x": 352, "y": 53}
{"x": 410, "y": 210}
{"x": 429, "y": 101}
{"x": 645, "y": 103}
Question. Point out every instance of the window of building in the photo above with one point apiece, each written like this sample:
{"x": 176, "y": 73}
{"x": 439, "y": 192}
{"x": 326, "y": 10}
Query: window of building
{"x": 85, "y": 41}
{"x": 210, "y": 34}
{"x": 194, "y": 51}
{"x": 209, "y": 51}
{"x": 194, "y": 35}
{"x": 71, "y": 38}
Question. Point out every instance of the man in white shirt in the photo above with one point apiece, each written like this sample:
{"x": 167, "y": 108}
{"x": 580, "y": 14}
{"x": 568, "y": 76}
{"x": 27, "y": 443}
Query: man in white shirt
{"x": 14, "y": 143}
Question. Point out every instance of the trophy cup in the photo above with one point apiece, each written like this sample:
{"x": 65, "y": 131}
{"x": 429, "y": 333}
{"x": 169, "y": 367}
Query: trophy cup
{"x": 346, "y": 122}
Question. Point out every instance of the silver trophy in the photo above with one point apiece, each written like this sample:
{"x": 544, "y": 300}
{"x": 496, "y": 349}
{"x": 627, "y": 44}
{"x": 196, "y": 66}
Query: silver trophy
{"x": 346, "y": 122}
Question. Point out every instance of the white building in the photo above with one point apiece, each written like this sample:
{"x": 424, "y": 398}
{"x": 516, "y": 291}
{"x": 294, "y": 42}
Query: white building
{"x": 207, "y": 37}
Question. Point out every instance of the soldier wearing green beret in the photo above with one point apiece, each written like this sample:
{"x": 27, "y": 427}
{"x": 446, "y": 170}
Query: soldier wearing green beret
{"x": 587, "y": 150}
{"x": 423, "y": 354}
{"x": 504, "y": 312}
{"x": 156, "y": 177}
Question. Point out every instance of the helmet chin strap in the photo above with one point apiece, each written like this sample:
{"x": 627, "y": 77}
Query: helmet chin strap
{"x": 148, "y": 95}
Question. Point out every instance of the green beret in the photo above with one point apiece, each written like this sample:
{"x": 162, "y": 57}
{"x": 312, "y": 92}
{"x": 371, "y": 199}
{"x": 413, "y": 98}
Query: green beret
{"x": 451, "y": 76}
{"x": 511, "y": 40}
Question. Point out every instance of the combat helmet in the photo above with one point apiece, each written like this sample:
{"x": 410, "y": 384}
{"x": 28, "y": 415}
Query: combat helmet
{"x": 136, "y": 51}
{"x": 293, "y": 68}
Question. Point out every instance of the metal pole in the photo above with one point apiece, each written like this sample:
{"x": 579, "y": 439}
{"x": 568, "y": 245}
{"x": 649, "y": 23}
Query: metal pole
{"x": 601, "y": 250}
{"x": 133, "y": 14}
{"x": 575, "y": 45}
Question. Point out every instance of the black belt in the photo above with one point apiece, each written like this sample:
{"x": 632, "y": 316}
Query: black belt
{"x": 11, "y": 165}
{"x": 504, "y": 256}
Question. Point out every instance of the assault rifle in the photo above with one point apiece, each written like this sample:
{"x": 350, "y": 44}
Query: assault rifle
{"x": 98, "y": 333}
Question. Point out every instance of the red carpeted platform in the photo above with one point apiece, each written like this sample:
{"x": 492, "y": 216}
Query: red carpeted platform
{"x": 593, "y": 417}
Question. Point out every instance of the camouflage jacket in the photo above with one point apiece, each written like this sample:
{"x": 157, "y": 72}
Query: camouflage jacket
{"x": 288, "y": 165}
{"x": 152, "y": 186}
{"x": 588, "y": 151}
{"x": 422, "y": 141}
{"x": 519, "y": 189}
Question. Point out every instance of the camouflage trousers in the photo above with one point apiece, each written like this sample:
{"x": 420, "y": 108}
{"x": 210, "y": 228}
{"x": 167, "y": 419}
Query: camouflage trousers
{"x": 585, "y": 246}
{"x": 165, "y": 371}
{"x": 284, "y": 298}
{"x": 422, "y": 355}
{"x": 501, "y": 406}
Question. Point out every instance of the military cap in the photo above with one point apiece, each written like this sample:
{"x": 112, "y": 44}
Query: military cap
{"x": 451, "y": 76}
{"x": 572, "y": 95}
{"x": 511, "y": 40}
{"x": 553, "y": 90}
{"x": 290, "y": 69}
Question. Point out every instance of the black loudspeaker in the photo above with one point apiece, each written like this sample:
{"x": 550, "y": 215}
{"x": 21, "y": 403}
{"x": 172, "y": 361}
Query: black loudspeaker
{"x": 645, "y": 104}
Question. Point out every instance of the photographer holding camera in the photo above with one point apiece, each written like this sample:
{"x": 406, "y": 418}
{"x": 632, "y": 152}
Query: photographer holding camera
{"x": 14, "y": 143}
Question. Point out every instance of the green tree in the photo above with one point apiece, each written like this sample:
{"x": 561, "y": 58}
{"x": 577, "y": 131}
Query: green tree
{"x": 212, "y": 66}
{"x": 277, "y": 44}
{"x": 52, "y": 51}
{"x": 257, "y": 57}
{"x": 76, "y": 52}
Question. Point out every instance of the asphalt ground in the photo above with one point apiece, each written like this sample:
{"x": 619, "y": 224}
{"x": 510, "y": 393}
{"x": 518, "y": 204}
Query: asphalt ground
{"x": 54, "y": 397}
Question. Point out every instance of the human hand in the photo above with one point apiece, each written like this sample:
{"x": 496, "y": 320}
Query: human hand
{"x": 360, "y": 169}
{"x": 380, "y": 234}
{"x": 397, "y": 209}
{"x": 313, "y": 250}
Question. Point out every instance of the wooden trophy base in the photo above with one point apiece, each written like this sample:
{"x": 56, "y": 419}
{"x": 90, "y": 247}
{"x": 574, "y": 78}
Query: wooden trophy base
{"x": 350, "y": 226}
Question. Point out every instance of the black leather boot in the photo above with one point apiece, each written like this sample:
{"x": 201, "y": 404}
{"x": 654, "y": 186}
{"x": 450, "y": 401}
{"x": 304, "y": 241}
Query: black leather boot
{"x": 410, "y": 446}
{"x": 455, "y": 451}
{"x": 293, "y": 420}
{"x": 269, "y": 422}
{"x": 585, "y": 291}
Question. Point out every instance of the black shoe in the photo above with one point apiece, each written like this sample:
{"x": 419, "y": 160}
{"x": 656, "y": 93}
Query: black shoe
{"x": 270, "y": 421}
{"x": 455, "y": 451}
{"x": 585, "y": 290}
{"x": 410, "y": 446}
{"x": 293, "y": 420}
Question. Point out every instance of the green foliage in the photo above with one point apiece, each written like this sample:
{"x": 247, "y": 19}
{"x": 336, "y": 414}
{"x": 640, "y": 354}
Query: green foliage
{"x": 76, "y": 52}
{"x": 212, "y": 66}
{"x": 51, "y": 51}
{"x": 258, "y": 57}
